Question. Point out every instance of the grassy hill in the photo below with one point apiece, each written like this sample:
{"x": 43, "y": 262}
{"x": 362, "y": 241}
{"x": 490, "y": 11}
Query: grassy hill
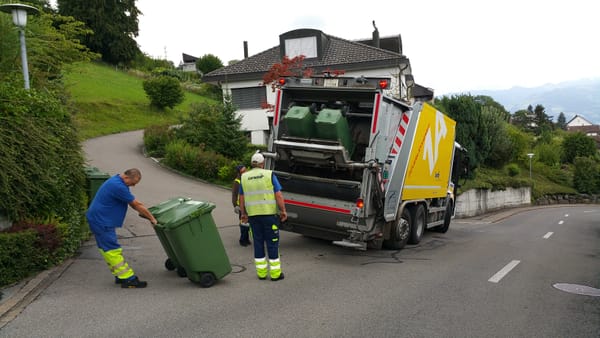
{"x": 110, "y": 101}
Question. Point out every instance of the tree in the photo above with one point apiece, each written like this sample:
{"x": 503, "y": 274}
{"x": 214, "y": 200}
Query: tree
{"x": 207, "y": 63}
{"x": 480, "y": 128}
{"x": 51, "y": 44}
{"x": 542, "y": 121}
{"x": 114, "y": 23}
{"x": 287, "y": 67}
{"x": 577, "y": 145}
{"x": 522, "y": 119}
{"x": 164, "y": 91}
{"x": 561, "y": 122}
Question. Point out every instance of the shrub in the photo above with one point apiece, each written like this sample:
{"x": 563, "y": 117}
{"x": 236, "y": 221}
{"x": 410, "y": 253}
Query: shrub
{"x": 33, "y": 245}
{"x": 163, "y": 91}
{"x": 584, "y": 177}
{"x": 156, "y": 138}
{"x": 513, "y": 169}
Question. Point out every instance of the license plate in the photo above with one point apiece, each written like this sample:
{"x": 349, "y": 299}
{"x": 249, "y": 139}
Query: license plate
{"x": 330, "y": 83}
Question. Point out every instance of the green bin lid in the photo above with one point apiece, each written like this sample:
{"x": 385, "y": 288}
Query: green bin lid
{"x": 184, "y": 212}
{"x": 162, "y": 207}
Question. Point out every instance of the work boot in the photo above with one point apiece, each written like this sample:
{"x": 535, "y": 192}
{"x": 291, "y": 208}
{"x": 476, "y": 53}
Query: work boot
{"x": 119, "y": 280}
{"x": 245, "y": 243}
{"x": 133, "y": 283}
{"x": 278, "y": 278}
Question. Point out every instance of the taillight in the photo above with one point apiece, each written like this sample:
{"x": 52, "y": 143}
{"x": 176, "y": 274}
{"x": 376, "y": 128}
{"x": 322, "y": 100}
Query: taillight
{"x": 281, "y": 81}
{"x": 383, "y": 84}
{"x": 360, "y": 203}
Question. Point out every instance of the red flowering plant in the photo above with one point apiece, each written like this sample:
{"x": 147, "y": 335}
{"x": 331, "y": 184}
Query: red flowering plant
{"x": 287, "y": 67}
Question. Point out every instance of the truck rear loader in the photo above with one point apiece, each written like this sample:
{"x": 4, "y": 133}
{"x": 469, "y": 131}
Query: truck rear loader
{"x": 358, "y": 166}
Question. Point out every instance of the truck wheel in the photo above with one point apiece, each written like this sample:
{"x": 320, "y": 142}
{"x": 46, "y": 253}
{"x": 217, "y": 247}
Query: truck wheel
{"x": 207, "y": 279}
{"x": 447, "y": 218}
{"x": 399, "y": 231}
{"x": 417, "y": 227}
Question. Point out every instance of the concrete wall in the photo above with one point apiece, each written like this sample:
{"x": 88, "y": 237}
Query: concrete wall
{"x": 478, "y": 201}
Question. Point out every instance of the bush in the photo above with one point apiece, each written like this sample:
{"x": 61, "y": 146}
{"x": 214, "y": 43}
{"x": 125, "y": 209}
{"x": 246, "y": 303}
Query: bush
{"x": 156, "y": 138}
{"x": 584, "y": 177}
{"x": 513, "y": 169}
{"x": 34, "y": 245}
{"x": 163, "y": 91}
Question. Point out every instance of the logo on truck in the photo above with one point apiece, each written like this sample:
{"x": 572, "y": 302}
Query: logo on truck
{"x": 432, "y": 150}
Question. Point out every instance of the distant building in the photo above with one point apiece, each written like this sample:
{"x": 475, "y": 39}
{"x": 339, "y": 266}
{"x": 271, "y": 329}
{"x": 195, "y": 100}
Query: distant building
{"x": 189, "y": 63}
{"x": 581, "y": 124}
{"x": 378, "y": 57}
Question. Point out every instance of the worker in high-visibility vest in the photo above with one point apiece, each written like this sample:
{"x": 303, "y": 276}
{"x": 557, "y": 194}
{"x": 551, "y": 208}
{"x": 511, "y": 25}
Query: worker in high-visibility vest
{"x": 106, "y": 213}
{"x": 260, "y": 201}
{"x": 235, "y": 200}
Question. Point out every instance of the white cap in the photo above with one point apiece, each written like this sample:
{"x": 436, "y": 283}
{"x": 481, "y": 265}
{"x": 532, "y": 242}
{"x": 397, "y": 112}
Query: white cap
{"x": 257, "y": 158}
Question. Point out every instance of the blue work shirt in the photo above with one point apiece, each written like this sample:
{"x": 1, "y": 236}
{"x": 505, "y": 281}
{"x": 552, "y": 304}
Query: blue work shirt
{"x": 109, "y": 207}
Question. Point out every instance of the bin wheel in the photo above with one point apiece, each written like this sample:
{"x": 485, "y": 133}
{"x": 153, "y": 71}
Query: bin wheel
{"x": 207, "y": 279}
{"x": 169, "y": 265}
{"x": 181, "y": 272}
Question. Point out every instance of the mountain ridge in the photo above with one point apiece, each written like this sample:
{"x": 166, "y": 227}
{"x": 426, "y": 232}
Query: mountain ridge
{"x": 577, "y": 97}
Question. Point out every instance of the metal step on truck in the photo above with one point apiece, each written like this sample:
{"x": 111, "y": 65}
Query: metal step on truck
{"x": 358, "y": 166}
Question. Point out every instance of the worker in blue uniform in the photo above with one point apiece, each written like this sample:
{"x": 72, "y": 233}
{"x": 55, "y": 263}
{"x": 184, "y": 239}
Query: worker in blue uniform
{"x": 260, "y": 202}
{"x": 106, "y": 213}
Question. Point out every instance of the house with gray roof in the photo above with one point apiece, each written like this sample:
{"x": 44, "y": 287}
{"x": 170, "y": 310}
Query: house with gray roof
{"x": 242, "y": 81}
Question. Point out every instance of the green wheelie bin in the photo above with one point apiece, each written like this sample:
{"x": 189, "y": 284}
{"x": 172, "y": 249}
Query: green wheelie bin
{"x": 195, "y": 240}
{"x": 159, "y": 212}
{"x": 94, "y": 179}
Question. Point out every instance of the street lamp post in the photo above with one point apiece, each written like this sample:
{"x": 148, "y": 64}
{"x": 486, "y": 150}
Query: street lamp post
{"x": 530, "y": 157}
{"x": 19, "y": 14}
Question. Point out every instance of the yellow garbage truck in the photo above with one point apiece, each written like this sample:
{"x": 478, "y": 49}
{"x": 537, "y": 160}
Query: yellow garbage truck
{"x": 359, "y": 167}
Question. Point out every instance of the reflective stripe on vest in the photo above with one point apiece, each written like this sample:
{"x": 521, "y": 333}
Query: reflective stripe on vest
{"x": 238, "y": 181}
{"x": 259, "y": 197}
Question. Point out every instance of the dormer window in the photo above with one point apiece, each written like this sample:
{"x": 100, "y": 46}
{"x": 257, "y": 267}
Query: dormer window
{"x": 308, "y": 42}
{"x": 301, "y": 46}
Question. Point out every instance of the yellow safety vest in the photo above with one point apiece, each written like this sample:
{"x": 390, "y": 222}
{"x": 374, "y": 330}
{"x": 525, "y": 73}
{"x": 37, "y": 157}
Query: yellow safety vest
{"x": 237, "y": 192}
{"x": 259, "y": 196}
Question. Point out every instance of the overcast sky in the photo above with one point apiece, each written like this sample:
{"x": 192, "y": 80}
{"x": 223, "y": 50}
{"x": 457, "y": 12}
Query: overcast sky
{"x": 453, "y": 46}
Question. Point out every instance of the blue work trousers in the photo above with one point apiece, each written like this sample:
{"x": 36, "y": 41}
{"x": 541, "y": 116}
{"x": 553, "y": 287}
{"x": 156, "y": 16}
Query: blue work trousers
{"x": 265, "y": 231}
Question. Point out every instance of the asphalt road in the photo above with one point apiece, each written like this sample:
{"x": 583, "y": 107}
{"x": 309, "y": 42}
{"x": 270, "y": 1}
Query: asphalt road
{"x": 481, "y": 279}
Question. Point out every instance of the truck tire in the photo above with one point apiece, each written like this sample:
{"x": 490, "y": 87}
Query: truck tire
{"x": 417, "y": 227}
{"x": 447, "y": 218}
{"x": 399, "y": 232}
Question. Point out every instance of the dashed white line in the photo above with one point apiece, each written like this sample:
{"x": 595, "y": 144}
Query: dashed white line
{"x": 561, "y": 222}
{"x": 503, "y": 272}
{"x": 546, "y": 236}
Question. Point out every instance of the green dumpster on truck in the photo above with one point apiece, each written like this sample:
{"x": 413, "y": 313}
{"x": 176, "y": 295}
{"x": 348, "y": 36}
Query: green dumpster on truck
{"x": 159, "y": 211}
{"x": 94, "y": 179}
{"x": 194, "y": 238}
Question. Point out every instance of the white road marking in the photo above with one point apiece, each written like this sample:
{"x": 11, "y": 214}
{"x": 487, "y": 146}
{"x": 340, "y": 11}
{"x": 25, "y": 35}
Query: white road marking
{"x": 566, "y": 215}
{"x": 503, "y": 272}
{"x": 561, "y": 222}
{"x": 546, "y": 236}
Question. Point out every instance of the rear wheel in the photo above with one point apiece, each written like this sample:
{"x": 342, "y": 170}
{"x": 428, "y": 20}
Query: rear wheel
{"x": 417, "y": 227}
{"x": 181, "y": 272}
{"x": 399, "y": 231}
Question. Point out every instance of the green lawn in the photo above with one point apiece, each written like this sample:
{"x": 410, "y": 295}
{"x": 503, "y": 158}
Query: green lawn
{"x": 109, "y": 101}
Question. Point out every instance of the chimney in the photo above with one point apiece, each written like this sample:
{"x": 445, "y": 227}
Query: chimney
{"x": 375, "y": 36}
{"x": 245, "y": 49}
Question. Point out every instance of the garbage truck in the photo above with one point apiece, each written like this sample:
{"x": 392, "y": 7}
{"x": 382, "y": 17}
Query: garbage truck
{"x": 358, "y": 166}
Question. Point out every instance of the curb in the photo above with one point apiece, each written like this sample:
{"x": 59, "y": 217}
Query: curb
{"x": 28, "y": 290}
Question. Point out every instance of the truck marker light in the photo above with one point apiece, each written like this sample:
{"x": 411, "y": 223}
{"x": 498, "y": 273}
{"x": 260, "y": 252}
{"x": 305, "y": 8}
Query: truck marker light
{"x": 360, "y": 203}
{"x": 281, "y": 81}
{"x": 383, "y": 84}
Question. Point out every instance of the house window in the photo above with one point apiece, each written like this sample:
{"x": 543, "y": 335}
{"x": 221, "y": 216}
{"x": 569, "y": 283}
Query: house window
{"x": 301, "y": 46}
{"x": 248, "y": 98}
